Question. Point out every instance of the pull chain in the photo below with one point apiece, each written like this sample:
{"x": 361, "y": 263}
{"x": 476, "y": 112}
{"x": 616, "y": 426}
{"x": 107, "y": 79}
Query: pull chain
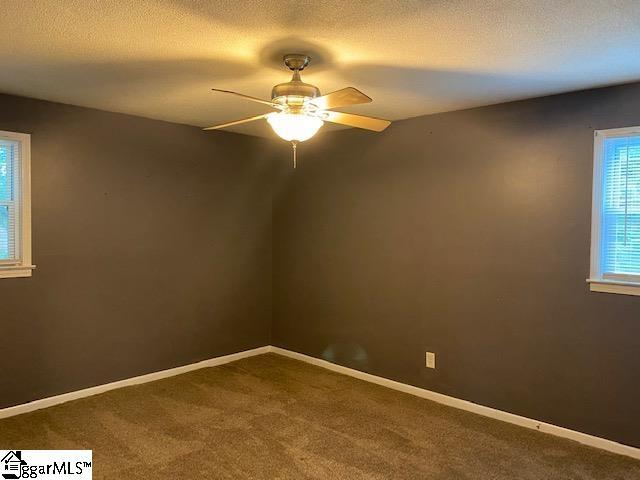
{"x": 294, "y": 144}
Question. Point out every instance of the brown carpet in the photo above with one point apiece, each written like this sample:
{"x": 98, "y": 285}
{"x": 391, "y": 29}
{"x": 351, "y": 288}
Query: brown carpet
{"x": 271, "y": 417}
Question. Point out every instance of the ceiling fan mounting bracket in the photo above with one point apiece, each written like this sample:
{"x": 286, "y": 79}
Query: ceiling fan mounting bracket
{"x": 296, "y": 61}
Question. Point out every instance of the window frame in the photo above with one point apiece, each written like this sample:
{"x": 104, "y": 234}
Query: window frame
{"x": 599, "y": 282}
{"x": 22, "y": 266}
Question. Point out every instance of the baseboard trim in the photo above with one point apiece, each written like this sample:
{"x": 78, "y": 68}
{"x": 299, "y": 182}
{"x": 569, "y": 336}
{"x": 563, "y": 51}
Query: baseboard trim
{"x": 584, "y": 438}
{"x": 149, "y": 377}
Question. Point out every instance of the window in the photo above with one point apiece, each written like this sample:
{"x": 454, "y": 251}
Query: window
{"x": 15, "y": 205}
{"x": 615, "y": 228}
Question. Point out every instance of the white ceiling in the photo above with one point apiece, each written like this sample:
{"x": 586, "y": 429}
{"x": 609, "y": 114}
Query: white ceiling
{"x": 158, "y": 58}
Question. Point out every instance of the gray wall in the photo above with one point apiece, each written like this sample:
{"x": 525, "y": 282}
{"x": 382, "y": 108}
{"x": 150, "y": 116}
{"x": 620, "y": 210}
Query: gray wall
{"x": 466, "y": 234}
{"x": 153, "y": 247}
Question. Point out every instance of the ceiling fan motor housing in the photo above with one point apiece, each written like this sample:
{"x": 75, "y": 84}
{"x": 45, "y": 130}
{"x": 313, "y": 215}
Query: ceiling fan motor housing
{"x": 295, "y": 92}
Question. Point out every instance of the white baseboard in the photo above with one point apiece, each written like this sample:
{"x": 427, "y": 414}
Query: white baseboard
{"x": 583, "y": 438}
{"x": 149, "y": 377}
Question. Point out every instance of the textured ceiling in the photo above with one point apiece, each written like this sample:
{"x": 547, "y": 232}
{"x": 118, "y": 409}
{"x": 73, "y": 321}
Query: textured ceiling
{"x": 158, "y": 58}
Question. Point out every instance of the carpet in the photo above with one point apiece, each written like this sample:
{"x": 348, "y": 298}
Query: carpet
{"x": 271, "y": 417}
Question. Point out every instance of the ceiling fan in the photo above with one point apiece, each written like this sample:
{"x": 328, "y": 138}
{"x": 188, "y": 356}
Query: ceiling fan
{"x": 301, "y": 110}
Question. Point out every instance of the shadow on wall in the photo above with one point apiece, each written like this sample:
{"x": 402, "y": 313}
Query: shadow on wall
{"x": 347, "y": 353}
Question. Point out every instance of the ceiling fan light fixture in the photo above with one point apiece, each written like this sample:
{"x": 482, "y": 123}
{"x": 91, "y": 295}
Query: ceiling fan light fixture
{"x": 294, "y": 127}
{"x": 303, "y": 110}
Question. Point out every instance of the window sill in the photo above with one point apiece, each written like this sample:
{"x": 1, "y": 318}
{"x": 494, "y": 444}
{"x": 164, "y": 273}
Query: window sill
{"x": 16, "y": 271}
{"x": 614, "y": 286}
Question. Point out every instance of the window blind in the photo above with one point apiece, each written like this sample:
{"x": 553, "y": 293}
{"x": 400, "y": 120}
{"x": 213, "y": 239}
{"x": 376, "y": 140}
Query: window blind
{"x": 620, "y": 227}
{"x": 9, "y": 200}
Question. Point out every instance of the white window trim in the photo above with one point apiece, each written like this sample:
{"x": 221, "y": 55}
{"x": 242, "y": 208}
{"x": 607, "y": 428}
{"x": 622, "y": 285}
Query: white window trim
{"x": 23, "y": 267}
{"x": 622, "y": 284}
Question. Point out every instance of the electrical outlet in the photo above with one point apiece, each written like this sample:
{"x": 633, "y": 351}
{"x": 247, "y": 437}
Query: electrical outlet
{"x": 431, "y": 360}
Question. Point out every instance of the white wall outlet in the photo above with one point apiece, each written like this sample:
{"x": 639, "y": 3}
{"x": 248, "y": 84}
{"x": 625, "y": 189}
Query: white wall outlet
{"x": 431, "y": 360}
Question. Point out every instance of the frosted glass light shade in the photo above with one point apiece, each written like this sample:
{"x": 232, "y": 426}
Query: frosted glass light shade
{"x": 294, "y": 126}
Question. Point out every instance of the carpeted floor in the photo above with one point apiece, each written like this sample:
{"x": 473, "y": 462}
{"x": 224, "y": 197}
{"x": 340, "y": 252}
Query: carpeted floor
{"x": 271, "y": 417}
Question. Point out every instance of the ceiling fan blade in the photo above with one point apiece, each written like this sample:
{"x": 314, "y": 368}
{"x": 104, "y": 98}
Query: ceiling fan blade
{"x": 236, "y": 122}
{"x": 247, "y": 97}
{"x": 341, "y": 98}
{"x": 359, "y": 121}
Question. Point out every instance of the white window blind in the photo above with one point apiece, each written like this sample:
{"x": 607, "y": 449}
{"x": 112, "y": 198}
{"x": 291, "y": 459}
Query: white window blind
{"x": 15, "y": 205}
{"x": 620, "y": 228}
{"x": 9, "y": 201}
{"x": 615, "y": 217}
